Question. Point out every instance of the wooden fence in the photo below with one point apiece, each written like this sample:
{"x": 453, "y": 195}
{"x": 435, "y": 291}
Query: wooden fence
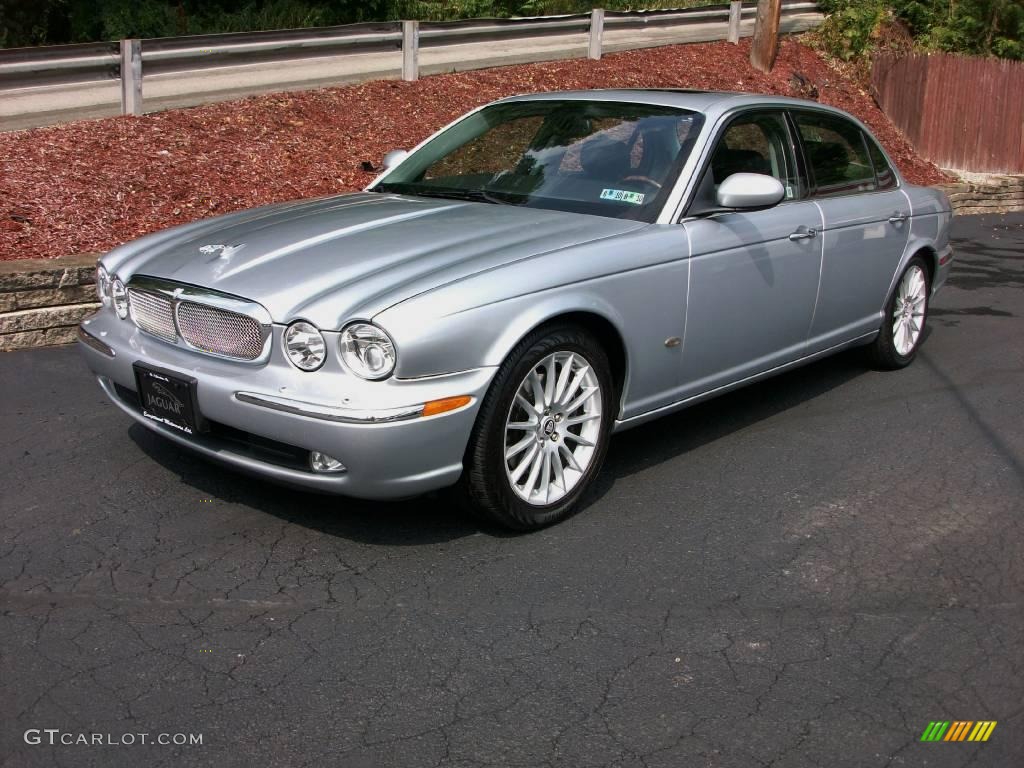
{"x": 960, "y": 112}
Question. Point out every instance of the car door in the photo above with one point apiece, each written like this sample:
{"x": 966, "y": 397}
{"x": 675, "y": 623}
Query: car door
{"x": 866, "y": 226}
{"x": 753, "y": 274}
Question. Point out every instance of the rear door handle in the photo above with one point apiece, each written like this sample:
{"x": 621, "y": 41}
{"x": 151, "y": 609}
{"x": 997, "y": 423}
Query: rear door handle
{"x": 897, "y": 218}
{"x": 804, "y": 233}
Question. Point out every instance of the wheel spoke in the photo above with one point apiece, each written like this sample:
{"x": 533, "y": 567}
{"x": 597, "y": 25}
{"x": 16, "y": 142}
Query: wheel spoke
{"x": 521, "y": 446}
{"x": 574, "y": 387}
{"x": 582, "y": 418}
{"x": 522, "y": 426}
{"x": 579, "y": 439}
{"x": 523, "y": 465}
{"x": 545, "y": 476}
{"x": 569, "y": 457}
{"x": 538, "y": 391}
{"x": 549, "y": 381}
{"x": 906, "y": 339}
{"x": 588, "y": 392}
{"x": 559, "y": 474}
{"x": 918, "y": 284}
{"x": 526, "y": 405}
{"x": 531, "y": 480}
{"x": 563, "y": 378}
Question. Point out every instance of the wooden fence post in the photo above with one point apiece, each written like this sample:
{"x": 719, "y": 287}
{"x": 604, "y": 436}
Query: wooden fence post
{"x": 735, "y": 16}
{"x": 410, "y": 50}
{"x": 765, "y": 47}
{"x": 131, "y": 77}
{"x": 596, "y": 32}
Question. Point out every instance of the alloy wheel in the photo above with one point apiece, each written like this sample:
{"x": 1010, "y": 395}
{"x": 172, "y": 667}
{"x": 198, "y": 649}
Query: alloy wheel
{"x": 553, "y": 428}
{"x": 908, "y": 310}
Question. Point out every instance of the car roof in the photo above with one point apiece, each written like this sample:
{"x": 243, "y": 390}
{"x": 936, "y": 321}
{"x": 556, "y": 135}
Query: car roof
{"x": 708, "y": 102}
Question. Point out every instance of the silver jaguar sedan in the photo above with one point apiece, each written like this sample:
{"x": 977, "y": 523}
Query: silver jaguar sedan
{"x": 541, "y": 273}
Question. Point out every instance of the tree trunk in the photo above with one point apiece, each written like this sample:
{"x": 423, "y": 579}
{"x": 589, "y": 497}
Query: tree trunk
{"x": 765, "y": 47}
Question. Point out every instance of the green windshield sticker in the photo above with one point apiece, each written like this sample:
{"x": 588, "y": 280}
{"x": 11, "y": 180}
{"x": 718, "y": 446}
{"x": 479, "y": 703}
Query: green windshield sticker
{"x": 622, "y": 196}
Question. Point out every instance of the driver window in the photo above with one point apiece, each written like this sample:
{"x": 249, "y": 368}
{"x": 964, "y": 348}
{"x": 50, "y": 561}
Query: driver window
{"x": 757, "y": 143}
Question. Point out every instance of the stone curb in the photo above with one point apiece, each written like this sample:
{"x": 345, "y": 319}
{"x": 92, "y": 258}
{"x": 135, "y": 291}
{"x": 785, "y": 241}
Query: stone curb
{"x": 997, "y": 194}
{"x": 43, "y": 300}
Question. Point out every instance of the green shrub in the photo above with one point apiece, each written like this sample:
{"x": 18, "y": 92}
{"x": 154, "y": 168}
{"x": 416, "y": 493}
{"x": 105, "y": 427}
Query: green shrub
{"x": 850, "y": 28}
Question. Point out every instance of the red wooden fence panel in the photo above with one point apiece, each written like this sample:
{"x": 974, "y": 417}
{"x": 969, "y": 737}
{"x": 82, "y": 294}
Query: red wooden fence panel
{"x": 960, "y": 112}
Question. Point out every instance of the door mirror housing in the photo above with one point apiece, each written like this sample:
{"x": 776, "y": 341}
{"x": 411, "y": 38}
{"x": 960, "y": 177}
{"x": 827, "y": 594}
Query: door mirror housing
{"x": 394, "y": 157}
{"x": 749, "y": 192}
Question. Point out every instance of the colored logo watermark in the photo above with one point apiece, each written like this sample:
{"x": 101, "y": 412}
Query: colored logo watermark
{"x": 958, "y": 730}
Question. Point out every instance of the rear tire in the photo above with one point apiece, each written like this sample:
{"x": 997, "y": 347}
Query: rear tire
{"x": 542, "y": 432}
{"x": 905, "y": 316}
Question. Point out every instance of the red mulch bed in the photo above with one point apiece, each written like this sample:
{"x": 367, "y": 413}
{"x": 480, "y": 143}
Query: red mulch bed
{"x": 90, "y": 185}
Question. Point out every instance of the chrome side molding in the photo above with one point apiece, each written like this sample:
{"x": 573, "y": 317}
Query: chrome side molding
{"x": 330, "y": 412}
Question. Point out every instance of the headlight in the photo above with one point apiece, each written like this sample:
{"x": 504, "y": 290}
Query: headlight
{"x": 367, "y": 351}
{"x": 103, "y": 285}
{"x": 305, "y": 346}
{"x": 119, "y": 295}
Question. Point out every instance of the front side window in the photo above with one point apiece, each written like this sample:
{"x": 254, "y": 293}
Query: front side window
{"x": 836, "y": 153}
{"x": 605, "y": 158}
{"x": 757, "y": 143}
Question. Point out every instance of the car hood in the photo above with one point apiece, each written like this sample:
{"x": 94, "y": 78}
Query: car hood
{"x": 334, "y": 259}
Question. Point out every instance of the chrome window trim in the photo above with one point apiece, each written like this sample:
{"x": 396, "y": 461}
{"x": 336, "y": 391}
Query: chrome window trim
{"x": 179, "y": 293}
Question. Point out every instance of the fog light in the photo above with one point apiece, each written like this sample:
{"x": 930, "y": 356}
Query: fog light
{"x": 321, "y": 462}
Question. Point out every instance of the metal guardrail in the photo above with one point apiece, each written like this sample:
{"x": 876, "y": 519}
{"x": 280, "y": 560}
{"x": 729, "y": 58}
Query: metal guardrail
{"x": 128, "y": 60}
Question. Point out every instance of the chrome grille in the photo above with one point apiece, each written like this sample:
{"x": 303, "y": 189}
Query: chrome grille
{"x": 219, "y": 331}
{"x": 153, "y": 313}
{"x": 199, "y": 318}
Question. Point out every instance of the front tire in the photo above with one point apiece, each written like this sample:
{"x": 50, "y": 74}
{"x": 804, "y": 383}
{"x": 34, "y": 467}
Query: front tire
{"x": 542, "y": 433}
{"x": 905, "y": 316}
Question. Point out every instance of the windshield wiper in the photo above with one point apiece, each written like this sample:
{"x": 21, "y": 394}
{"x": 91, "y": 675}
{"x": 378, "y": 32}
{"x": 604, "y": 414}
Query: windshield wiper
{"x": 474, "y": 195}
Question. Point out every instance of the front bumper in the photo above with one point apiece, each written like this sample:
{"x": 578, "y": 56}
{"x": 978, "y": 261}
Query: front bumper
{"x": 373, "y": 428}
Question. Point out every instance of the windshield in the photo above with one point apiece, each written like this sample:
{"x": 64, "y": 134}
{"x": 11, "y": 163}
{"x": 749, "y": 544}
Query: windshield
{"x": 603, "y": 158}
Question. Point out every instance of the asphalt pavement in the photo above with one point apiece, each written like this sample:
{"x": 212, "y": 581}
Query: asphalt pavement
{"x": 803, "y": 573}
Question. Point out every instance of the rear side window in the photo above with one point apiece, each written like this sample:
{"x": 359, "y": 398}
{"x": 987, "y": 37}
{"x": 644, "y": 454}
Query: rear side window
{"x": 883, "y": 171}
{"x": 836, "y": 153}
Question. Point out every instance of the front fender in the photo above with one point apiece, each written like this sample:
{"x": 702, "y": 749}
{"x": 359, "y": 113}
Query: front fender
{"x": 433, "y": 341}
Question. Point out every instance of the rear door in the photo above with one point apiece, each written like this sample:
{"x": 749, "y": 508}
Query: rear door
{"x": 753, "y": 274}
{"x": 866, "y": 226}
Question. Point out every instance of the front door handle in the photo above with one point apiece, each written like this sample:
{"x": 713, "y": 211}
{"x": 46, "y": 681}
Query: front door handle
{"x": 897, "y": 218}
{"x": 804, "y": 233}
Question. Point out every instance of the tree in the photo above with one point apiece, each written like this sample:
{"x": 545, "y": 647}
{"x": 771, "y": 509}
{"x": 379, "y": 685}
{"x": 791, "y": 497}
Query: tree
{"x": 765, "y": 46}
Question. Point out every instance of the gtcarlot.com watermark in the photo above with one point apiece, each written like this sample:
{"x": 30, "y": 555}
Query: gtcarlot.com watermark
{"x": 56, "y": 737}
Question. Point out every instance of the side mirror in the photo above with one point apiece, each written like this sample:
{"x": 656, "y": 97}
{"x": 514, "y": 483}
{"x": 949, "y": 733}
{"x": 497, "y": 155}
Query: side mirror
{"x": 394, "y": 157}
{"x": 749, "y": 192}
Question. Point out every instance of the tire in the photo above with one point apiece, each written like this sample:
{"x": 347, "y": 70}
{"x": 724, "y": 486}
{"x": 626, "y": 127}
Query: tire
{"x": 487, "y": 485}
{"x": 898, "y": 342}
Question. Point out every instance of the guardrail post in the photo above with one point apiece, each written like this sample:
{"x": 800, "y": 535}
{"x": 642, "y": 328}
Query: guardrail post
{"x": 131, "y": 77}
{"x": 596, "y": 33}
{"x": 735, "y": 14}
{"x": 410, "y": 50}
